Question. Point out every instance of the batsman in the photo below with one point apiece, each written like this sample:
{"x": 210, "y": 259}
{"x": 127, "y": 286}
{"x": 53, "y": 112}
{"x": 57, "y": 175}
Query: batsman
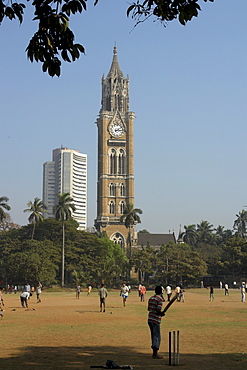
{"x": 154, "y": 319}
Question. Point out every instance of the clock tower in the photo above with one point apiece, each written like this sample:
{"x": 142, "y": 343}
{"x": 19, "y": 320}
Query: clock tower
{"x": 115, "y": 186}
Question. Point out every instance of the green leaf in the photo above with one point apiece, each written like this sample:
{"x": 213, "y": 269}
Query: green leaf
{"x": 80, "y": 47}
{"x": 45, "y": 66}
{"x": 65, "y": 56}
{"x": 130, "y": 9}
{"x": 83, "y": 3}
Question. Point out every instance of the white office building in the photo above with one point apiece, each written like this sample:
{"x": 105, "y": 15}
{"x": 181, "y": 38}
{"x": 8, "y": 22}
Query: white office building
{"x": 66, "y": 173}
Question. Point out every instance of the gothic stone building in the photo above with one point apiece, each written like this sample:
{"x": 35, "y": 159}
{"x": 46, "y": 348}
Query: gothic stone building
{"x": 115, "y": 186}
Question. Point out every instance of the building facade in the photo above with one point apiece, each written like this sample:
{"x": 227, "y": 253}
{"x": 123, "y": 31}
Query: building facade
{"x": 115, "y": 185}
{"x": 66, "y": 173}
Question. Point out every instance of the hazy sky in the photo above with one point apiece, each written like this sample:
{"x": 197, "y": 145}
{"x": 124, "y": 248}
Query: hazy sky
{"x": 188, "y": 90}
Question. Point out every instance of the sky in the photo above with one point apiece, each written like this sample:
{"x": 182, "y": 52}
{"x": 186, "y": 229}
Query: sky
{"x": 188, "y": 89}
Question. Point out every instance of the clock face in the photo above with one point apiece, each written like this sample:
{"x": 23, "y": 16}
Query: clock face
{"x": 117, "y": 129}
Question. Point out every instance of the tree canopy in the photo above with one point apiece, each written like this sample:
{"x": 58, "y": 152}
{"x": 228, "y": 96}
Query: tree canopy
{"x": 54, "y": 41}
{"x": 93, "y": 258}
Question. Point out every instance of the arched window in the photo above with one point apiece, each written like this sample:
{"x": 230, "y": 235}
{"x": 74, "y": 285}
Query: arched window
{"x": 121, "y": 162}
{"x": 112, "y": 207}
{"x": 112, "y": 190}
{"x": 122, "y": 190}
{"x": 113, "y": 162}
{"x": 121, "y": 207}
{"x": 118, "y": 239}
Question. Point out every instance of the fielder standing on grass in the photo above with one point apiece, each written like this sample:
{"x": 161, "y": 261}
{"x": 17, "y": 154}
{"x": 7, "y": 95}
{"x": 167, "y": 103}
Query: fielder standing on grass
{"x": 1, "y": 298}
{"x": 102, "y": 296}
{"x": 154, "y": 320}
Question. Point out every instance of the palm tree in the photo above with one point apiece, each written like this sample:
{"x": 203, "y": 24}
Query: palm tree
{"x": 37, "y": 208}
{"x": 190, "y": 235}
{"x": 63, "y": 211}
{"x": 219, "y": 231}
{"x": 130, "y": 218}
{"x": 240, "y": 223}
{"x": 205, "y": 231}
{"x": 4, "y": 205}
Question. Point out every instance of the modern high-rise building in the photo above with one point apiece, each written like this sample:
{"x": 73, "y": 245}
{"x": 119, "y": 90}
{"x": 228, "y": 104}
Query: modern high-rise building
{"x": 115, "y": 188}
{"x": 66, "y": 173}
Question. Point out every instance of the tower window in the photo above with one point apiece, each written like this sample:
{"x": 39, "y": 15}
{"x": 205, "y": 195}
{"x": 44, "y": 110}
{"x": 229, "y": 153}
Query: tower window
{"x": 112, "y": 207}
{"x": 121, "y": 207}
{"x": 112, "y": 190}
{"x": 113, "y": 162}
{"x": 122, "y": 190}
{"x": 121, "y": 162}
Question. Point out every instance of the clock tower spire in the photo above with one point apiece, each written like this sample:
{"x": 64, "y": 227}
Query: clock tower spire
{"x": 115, "y": 88}
{"x": 115, "y": 186}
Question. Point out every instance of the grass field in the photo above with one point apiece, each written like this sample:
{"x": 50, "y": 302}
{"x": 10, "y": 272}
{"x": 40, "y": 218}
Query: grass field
{"x": 65, "y": 333}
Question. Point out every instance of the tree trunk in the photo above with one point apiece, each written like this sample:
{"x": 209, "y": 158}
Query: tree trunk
{"x": 63, "y": 257}
{"x": 33, "y": 230}
{"x": 130, "y": 250}
{"x": 130, "y": 244}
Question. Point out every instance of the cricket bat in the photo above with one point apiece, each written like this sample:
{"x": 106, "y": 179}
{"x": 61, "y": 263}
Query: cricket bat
{"x": 170, "y": 303}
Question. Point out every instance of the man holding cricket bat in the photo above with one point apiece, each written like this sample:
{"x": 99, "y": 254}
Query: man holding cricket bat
{"x": 154, "y": 320}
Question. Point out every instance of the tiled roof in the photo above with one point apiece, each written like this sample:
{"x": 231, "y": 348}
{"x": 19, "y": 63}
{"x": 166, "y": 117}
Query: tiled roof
{"x": 155, "y": 240}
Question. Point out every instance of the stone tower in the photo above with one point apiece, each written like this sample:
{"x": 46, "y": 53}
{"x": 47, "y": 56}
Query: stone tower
{"x": 115, "y": 187}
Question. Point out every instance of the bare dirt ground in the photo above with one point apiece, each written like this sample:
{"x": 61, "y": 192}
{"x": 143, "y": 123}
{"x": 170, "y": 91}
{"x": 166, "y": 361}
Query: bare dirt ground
{"x": 63, "y": 332}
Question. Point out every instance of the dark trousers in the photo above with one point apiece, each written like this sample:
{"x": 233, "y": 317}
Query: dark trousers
{"x": 155, "y": 334}
{"x": 24, "y": 302}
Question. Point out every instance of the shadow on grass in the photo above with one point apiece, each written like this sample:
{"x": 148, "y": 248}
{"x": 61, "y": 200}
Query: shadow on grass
{"x": 35, "y": 357}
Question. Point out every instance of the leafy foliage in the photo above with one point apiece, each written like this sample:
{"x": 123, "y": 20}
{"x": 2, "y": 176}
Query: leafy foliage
{"x": 63, "y": 211}
{"x": 171, "y": 263}
{"x": 165, "y": 10}
{"x": 54, "y": 41}
{"x": 27, "y": 260}
{"x": 240, "y": 223}
{"x": 130, "y": 218}
{"x": 36, "y": 209}
{"x": 234, "y": 257}
{"x": 89, "y": 257}
{"x": 8, "y": 224}
{"x": 3, "y": 206}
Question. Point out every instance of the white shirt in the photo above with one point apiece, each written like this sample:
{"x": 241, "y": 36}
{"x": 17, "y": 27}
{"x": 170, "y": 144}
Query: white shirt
{"x": 125, "y": 290}
{"x": 25, "y": 295}
{"x": 168, "y": 289}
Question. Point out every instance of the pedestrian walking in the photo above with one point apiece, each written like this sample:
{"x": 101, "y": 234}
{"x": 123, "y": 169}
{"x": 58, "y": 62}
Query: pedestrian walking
{"x": 143, "y": 291}
{"x": 124, "y": 292}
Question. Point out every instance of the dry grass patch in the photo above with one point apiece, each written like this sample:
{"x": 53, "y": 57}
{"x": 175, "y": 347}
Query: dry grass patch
{"x": 65, "y": 333}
